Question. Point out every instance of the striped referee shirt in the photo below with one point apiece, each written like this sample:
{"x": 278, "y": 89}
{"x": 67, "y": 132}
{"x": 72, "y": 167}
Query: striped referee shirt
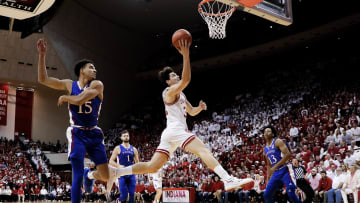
{"x": 299, "y": 172}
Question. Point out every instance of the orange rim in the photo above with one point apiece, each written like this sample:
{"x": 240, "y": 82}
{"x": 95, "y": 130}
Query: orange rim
{"x": 212, "y": 14}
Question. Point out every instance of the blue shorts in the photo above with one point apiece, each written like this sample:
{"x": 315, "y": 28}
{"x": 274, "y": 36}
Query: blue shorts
{"x": 280, "y": 178}
{"x": 90, "y": 141}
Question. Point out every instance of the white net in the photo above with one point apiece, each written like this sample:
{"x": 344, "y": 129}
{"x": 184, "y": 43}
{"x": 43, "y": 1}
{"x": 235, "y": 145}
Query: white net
{"x": 215, "y": 15}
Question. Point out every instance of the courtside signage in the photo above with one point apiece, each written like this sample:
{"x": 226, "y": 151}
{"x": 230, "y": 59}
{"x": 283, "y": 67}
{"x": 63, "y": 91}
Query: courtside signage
{"x": 176, "y": 195}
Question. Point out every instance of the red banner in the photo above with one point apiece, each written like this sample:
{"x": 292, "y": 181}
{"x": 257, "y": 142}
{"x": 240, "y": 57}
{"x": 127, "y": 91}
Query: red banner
{"x": 4, "y": 89}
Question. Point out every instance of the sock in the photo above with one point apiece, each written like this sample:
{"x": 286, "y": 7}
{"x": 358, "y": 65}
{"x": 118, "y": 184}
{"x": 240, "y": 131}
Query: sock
{"x": 91, "y": 175}
{"x": 124, "y": 171}
{"x": 220, "y": 171}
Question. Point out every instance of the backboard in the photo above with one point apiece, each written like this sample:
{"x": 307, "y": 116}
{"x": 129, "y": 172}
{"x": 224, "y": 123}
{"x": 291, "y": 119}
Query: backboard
{"x": 278, "y": 11}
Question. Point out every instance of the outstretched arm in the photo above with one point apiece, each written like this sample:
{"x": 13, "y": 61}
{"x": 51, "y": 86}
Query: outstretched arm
{"x": 42, "y": 73}
{"x": 193, "y": 111}
{"x": 175, "y": 90}
{"x": 96, "y": 88}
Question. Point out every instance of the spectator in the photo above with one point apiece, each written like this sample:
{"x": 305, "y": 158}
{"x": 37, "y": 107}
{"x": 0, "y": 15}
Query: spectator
{"x": 7, "y": 193}
{"x": 356, "y": 133}
{"x": 37, "y": 192}
{"x": 14, "y": 195}
{"x": 314, "y": 179}
{"x": 43, "y": 193}
{"x": 139, "y": 191}
{"x": 294, "y": 133}
{"x": 207, "y": 191}
{"x": 2, "y": 193}
{"x": 337, "y": 184}
{"x": 201, "y": 191}
{"x": 32, "y": 194}
{"x": 325, "y": 184}
{"x": 306, "y": 154}
{"x": 218, "y": 189}
{"x": 351, "y": 184}
{"x": 347, "y": 136}
{"x": 21, "y": 194}
{"x": 259, "y": 188}
{"x": 331, "y": 172}
{"x": 332, "y": 149}
{"x": 150, "y": 192}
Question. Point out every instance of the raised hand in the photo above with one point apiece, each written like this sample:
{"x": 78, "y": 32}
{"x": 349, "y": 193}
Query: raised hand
{"x": 203, "y": 105}
{"x": 41, "y": 46}
{"x": 184, "y": 47}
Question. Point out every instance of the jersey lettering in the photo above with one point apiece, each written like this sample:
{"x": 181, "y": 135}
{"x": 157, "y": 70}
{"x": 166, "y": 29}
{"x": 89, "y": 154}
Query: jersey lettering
{"x": 88, "y": 108}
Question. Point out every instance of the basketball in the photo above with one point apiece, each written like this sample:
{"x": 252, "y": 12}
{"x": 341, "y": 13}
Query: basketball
{"x": 181, "y": 34}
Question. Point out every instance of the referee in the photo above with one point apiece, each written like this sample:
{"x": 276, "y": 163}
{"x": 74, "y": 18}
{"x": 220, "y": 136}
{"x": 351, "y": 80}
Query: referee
{"x": 301, "y": 182}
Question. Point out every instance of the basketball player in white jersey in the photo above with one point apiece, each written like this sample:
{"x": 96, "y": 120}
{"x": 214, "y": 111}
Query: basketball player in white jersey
{"x": 176, "y": 133}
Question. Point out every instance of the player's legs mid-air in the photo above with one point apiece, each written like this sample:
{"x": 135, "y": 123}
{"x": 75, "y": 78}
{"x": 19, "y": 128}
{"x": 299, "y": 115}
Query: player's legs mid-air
{"x": 195, "y": 146}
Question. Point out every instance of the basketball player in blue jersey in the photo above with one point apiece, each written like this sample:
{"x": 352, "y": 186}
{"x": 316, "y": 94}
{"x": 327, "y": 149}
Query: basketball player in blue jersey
{"x": 125, "y": 155}
{"x": 278, "y": 171}
{"x": 83, "y": 135}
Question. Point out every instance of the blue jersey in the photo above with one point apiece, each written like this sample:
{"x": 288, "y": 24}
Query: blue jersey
{"x": 273, "y": 153}
{"x": 86, "y": 115}
{"x": 126, "y": 156}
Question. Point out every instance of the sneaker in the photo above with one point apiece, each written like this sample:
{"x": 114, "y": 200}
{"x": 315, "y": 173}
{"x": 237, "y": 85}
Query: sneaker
{"x": 88, "y": 183}
{"x": 233, "y": 183}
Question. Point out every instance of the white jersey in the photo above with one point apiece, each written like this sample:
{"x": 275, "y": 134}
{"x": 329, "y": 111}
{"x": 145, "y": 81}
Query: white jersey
{"x": 176, "y": 112}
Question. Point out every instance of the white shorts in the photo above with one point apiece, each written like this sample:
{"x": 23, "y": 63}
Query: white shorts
{"x": 172, "y": 138}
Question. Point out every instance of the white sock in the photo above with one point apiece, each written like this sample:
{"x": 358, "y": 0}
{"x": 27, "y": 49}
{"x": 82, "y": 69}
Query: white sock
{"x": 125, "y": 171}
{"x": 91, "y": 175}
{"x": 220, "y": 171}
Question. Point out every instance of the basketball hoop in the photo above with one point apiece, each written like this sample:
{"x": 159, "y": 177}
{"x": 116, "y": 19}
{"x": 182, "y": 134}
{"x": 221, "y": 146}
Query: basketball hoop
{"x": 215, "y": 15}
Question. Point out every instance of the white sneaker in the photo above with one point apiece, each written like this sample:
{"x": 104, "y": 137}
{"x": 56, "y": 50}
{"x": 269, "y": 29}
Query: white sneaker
{"x": 233, "y": 183}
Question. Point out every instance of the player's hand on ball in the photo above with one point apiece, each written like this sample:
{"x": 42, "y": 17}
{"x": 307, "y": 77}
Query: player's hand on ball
{"x": 41, "y": 46}
{"x": 203, "y": 105}
{"x": 61, "y": 100}
{"x": 184, "y": 47}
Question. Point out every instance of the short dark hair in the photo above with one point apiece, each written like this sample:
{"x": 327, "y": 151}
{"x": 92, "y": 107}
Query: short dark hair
{"x": 164, "y": 74}
{"x": 323, "y": 172}
{"x": 124, "y": 132}
{"x": 273, "y": 130}
{"x": 80, "y": 64}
